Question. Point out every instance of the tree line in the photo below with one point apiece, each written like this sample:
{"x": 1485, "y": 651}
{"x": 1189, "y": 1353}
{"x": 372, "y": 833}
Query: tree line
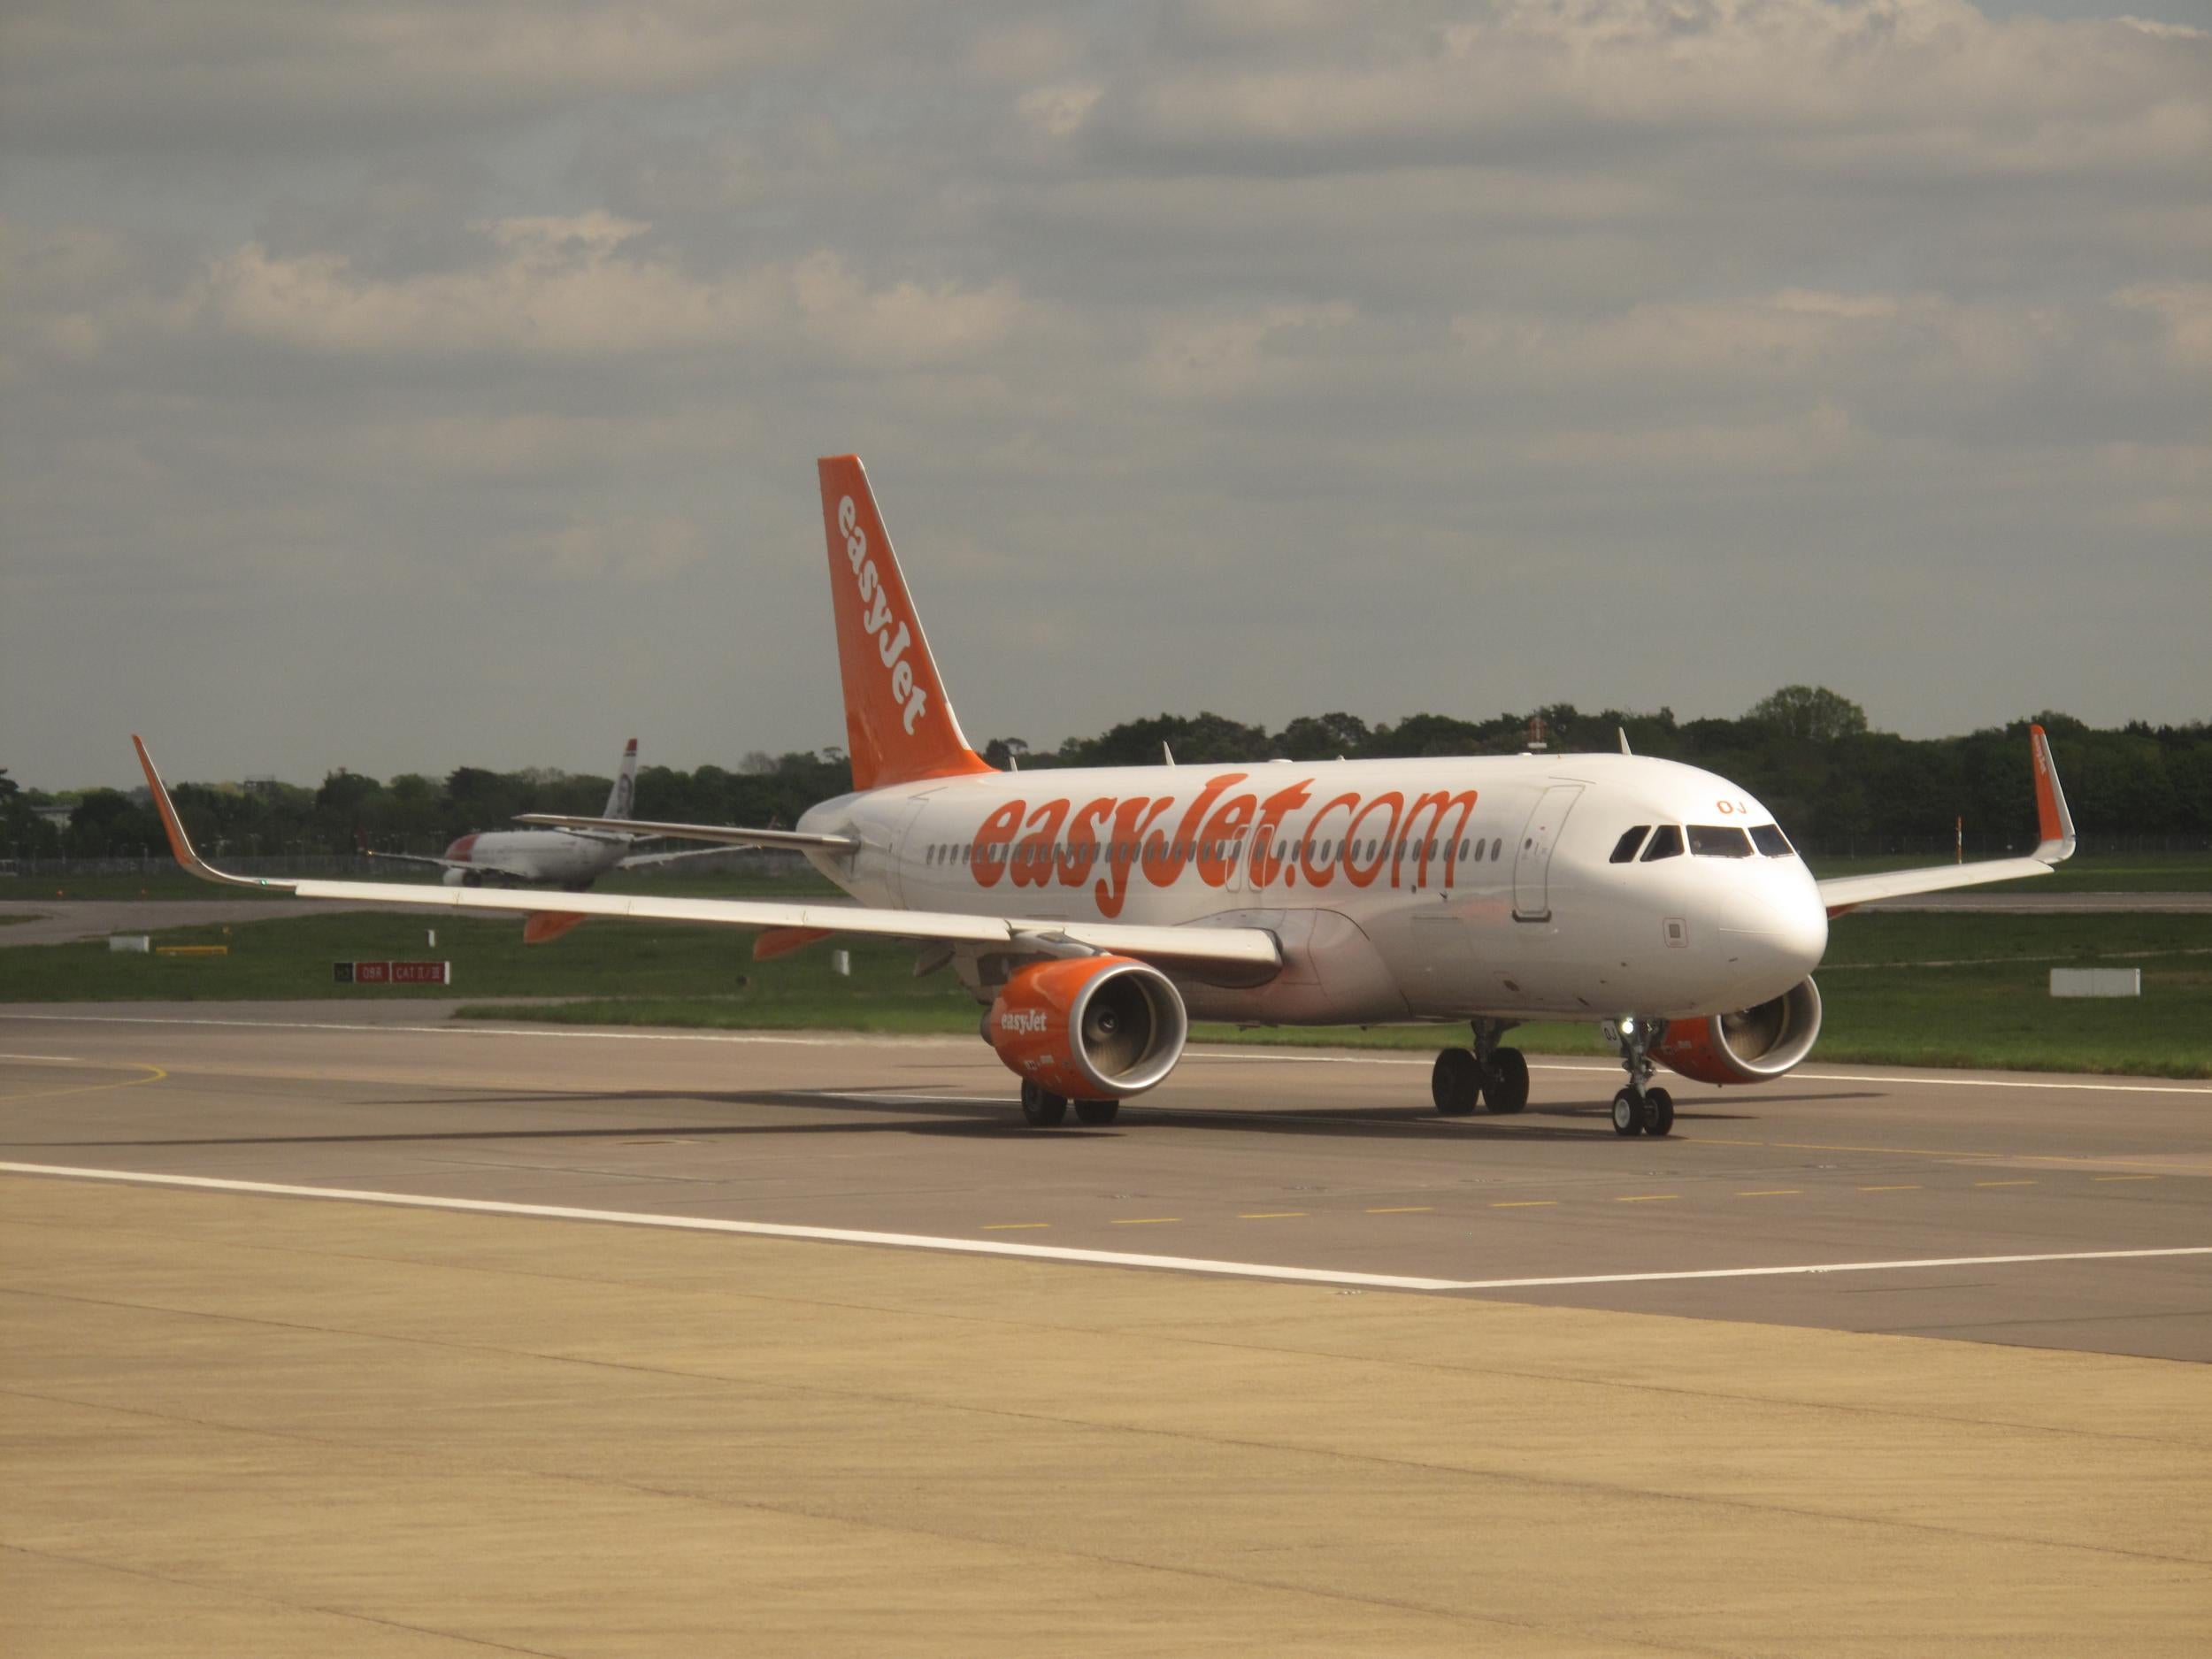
{"x": 1834, "y": 783}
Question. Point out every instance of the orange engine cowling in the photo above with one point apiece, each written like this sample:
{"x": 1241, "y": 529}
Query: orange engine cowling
{"x": 1089, "y": 1027}
{"x": 1748, "y": 1046}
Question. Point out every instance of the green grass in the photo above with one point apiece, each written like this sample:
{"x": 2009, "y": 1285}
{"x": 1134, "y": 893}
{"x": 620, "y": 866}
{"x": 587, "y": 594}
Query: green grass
{"x": 10, "y": 920}
{"x": 1993, "y": 1010}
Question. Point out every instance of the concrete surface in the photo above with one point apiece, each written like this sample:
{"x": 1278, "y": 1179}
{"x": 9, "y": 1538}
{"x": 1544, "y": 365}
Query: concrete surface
{"x": 253, "y": 1425}
{"x": 266, "y": 1426}
{"x": 57, "y": 921}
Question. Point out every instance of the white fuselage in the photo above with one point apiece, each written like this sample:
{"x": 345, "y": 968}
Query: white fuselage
{"x": 558, "y": 857}
{"x": 1398, "y": 888}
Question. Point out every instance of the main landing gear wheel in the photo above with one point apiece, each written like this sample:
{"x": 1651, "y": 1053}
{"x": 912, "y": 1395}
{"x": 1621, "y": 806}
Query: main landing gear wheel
{"x": 1505, "y": 1090}
{"x": 1628, "y": 1114}
{"x": 1041, "y": 1108}
{"x": 1455, "y": 1082}
{"x": 1097, "y": 1112}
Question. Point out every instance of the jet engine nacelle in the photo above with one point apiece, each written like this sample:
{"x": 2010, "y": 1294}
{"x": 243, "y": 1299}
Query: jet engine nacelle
{"x": 455, "y": 878}
{"x": 1747, "y": 1046}
{"x": 1089, "y": 1027}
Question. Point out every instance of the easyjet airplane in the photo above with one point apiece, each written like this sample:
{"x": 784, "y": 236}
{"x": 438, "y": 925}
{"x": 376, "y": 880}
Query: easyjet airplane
{"x": 1095, "y": 912}
{"x": 573, "y": 857}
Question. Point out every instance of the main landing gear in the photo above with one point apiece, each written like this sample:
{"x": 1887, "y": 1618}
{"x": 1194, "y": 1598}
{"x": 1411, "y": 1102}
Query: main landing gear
{"x": 1639, "y": 1108}
{"x": 1041, "y": 1108}
{"x": 1463, "y": 1079}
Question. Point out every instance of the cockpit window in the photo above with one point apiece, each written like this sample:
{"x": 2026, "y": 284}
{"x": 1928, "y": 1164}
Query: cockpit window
{"x": 1769, "y": 839}
{"x": 1624, "y": 849}
{"x": 1719, "y": 841}
{"x": 1666, "y": 843}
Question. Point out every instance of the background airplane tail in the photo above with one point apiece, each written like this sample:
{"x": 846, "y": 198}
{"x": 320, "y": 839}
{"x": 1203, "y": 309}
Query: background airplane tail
{"x": 899, "y": 723}
{"x": 622, "y": 796}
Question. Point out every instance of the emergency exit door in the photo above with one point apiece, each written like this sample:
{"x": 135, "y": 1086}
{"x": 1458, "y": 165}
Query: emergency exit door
{"x": 1532, "y": 862}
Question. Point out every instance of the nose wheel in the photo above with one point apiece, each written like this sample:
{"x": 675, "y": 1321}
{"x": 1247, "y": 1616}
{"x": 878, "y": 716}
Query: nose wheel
{"x": 1639, "y": 1108}
{"x": 1652, "y": 1115}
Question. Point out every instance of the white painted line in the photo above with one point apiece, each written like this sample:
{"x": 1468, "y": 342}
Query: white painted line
{"x": 1801, "y": 1076}
{"x": 760, "y": 1229}
{"x": 1826, "y": 1267}
{"x": 846, "y": 1039}
{"x": 45, "y": 1059}
{"x": 1053, "y": 1252}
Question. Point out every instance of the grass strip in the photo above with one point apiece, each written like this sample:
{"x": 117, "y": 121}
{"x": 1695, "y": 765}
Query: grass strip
{"x": 1990, "y": 1006}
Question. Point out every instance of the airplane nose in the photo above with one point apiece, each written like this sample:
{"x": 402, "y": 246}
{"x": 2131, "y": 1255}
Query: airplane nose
{"x": 1802, "y": 936}
{"x": 1785, "y": 924}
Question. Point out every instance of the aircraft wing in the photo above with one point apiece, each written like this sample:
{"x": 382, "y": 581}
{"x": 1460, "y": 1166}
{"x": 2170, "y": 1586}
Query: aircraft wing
{"x": 2055, "y": 822}
{"x": 721, "y": 835}
{"x": 637, "y": 861}
{"x": 1237, "y": 947}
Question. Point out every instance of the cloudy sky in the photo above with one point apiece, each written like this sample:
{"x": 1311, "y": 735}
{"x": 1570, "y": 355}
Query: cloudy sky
{"x": 402, "y": 384}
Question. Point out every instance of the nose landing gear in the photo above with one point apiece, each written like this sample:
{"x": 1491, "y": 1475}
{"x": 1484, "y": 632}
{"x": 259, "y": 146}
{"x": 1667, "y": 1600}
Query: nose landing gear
{"x": 1487, "y": 1074}
{"x": 1639, "y": 1108}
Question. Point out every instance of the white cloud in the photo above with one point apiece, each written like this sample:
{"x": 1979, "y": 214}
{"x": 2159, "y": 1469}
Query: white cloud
{"x": 2184, "y": 308}
{"x": 590, "y": 285}
{"x": 111, "y": 75}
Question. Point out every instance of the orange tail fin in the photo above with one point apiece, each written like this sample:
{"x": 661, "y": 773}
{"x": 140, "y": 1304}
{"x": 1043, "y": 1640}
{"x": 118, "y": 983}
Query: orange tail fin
{"x": 899, "y": 723}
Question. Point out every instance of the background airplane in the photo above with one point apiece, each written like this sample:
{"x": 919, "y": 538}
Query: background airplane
{"x": 571, "y": 857}
{"x": 1094, "y": 911}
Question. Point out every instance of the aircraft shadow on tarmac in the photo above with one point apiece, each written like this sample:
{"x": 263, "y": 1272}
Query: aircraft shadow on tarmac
{"x": 983, "y": 1120}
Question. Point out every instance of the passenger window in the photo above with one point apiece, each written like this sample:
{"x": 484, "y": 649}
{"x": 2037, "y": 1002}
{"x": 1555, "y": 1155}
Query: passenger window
{"x": 1719, "y": 841}
{"x": 1497, "y": 848}
{"x": 1624, "y": 849}
{"x": 1769, "y": 839}
{"x": 1666, "y": 843}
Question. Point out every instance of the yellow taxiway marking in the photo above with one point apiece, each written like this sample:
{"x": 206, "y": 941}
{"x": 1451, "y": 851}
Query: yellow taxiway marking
{"x": 154, "y": 1074}
{"x": 1905, "y": 1152}
{"x": 1404, "y": 1209}
{"x": 1524, "y": 1203}
{"x": 2004, "y": 1183}
{"x": 1013, "y": 1226}
{"x": 1774, "y": 1192}
{"x": 1143, "y": 1221}
{"x": 1267, "y": 1215}
{"x": 1912, "y": 1187}
{"x": 2123, "y": 1178}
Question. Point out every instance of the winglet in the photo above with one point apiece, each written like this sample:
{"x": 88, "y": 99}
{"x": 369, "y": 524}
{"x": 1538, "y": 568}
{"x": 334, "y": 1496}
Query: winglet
{"x": 179, "y": 843}
{"x": 2054, "y": 822}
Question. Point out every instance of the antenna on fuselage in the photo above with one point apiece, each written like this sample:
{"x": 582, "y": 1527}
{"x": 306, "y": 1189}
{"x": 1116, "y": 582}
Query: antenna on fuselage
{"x": 1624, "y": 747}
{"x": 1167, "y": 755}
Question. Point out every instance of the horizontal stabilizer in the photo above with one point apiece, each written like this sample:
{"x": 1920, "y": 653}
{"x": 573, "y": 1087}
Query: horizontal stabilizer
{"x": 721, "y": 835}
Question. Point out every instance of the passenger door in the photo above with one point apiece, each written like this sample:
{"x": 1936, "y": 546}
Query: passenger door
{"x": 1532, "y": 860}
